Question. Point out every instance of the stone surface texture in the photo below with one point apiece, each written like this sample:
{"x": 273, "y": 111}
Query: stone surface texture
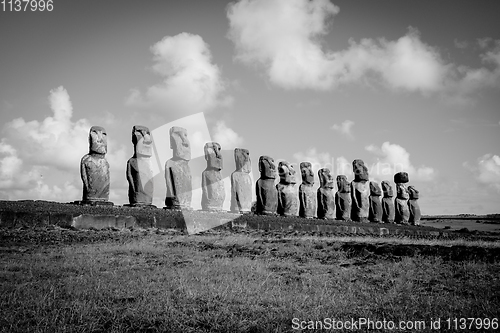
{"x": 288, "y": 202}
{"x": 241, "y": 182}
{"x": 177, "y": 171}
{"x": 325, "y": 195}
{"x": 388, "y": 210}
{"x": 343, "y": 201}
{"x": 413, "y": 206}
{"x": 360, "y": 192}
{"x": 140, "y": 168}
{"x": 212, "y": 186}
{"x": 360, "y": 171}
{"x": 402, "y": 214}
{"x": 265, "y": 190}
{"x": 94, "y": 168}
{"x": 375, "y": 214}
{"x": 307, "y": 195}
{"x": 401, "y": 178}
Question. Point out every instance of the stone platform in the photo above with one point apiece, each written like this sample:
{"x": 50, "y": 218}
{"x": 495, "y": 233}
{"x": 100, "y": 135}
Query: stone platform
{"x": 32, "y": 214}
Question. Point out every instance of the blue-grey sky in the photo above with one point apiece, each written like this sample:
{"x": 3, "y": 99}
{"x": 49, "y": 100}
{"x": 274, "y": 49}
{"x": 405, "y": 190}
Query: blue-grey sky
{"x": 403, "y": 85}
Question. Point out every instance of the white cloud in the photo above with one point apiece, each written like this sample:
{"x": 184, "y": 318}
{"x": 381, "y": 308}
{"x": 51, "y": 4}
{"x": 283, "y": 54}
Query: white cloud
{"x": 486, "y": 170}
{"x": 393, "y": 158}
{"x": 226, "y": 137}
{"x": 284, "y": 37}
{"x": 41, "y": 159}
{"x": 338, "y": 166}
{"x": 191, "y": 82}
{"x": 344, "y": 128}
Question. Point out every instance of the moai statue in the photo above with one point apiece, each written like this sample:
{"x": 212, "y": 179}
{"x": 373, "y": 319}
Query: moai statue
{"x": 343, "y": 199}
{"x": 212, "y": 185}
{"x": 94, "y": 169}
{"x": 140, "y": 168}
{"x": 288, "y": 203}
{"x": 267, "y": 196}
{"x": 325, "y": 195}
{"x": 360, "y": 192}
{"x": 241, "y": 182}
{"x": 413, "y": 206}
{"x": 387, "y": 203}
{"x": 375, "y": 214}
{"x": 402, "y": 214}
{"x": 307, "y": 197}
{"x": 177, "y": 171}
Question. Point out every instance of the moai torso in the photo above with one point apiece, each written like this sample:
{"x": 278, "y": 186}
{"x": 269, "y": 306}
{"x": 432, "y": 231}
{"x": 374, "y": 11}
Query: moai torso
{"x": 343, "y": 199}
{"x": 241, "y": 182}
{"x": 402, "y": 214}
{"x": 212, "y": 185}
{"x": 325, "y": 195}
{"x": 307, "y": 195}
{"x": 94, "y": 168}
{"x": 360, "y": 192}
{"x": 267, "y": 196}
{"x": 288, "y": 203}
{"x": 140, "y": 168}
{"x": 375, "y": 214}
{"x": 413, "y": 206}
{"x": 177, "y": 171}
{"x": 388, "y": 210}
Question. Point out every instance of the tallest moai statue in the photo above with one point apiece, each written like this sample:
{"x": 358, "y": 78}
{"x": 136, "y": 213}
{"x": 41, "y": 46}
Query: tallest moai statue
{"x": 140, "y": 168}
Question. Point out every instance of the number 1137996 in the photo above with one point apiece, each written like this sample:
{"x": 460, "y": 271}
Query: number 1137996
{"x": 27, "y": 5}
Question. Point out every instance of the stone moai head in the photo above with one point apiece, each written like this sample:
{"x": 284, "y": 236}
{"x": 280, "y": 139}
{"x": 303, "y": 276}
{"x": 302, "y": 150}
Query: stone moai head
{"x": 267, "y": 167}
{"x": 98, "y": 140}
{"x": 142, "y": 140}
{"x": 213, "y": 155}
{"x": 360, "y": 171}
{"x": 242, "y": 160}
{"x": 342, "y": 184}
{"x": 401, "y": 191}
{"x": 375, "y": 189}
{"x": 413, "y": 192}
{"x": 307, "y": 173}
{"x": 179, "y": 142}
{"x": 401, "y": 178}
{"x": 387, "y": 188}
{"x": 286, "y": 173}
{"x": 325, "y": 178}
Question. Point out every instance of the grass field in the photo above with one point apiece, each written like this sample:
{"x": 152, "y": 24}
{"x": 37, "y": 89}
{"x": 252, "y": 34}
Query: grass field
{"x": 56, "y": 280}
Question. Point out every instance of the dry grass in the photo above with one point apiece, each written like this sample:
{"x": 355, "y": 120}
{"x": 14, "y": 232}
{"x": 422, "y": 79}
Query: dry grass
{"x": 230, "y": 283}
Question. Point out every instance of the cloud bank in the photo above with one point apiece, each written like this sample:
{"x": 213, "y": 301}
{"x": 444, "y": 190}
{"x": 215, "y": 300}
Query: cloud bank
{"x": 191, "y": 82}
{"x": 344, "y": 129}
{"x": 486, "y": 170}
{"x": 285, "y": 38}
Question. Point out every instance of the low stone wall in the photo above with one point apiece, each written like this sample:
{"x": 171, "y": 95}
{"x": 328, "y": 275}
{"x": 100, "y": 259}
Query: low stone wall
{"x": 30, "y": 214}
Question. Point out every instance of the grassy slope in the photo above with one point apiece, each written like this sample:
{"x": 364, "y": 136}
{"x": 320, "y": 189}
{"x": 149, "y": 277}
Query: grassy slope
{"x": 224, "y": 282}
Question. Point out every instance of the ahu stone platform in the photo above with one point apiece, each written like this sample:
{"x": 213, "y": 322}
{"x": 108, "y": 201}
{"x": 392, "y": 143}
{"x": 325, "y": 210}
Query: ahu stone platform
{"x": 32, "y": 214}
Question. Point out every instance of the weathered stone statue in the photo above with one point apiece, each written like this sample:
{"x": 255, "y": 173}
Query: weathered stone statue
{"x": 343, "y": 199}
{"x": 94, "y": 168}
{"x": 288, "y": 203}
{"x": 177, "y": 171}
{"x": 387, "y": 203}
{"x": 375, "y": 214}
{"x": 241, "y": 182}
{"x": 413, "y": 206}
{"x": 360, "y": 192}
{"x": 140, "y": 168}
{"x": 325, "y": 195}
{"x": 267, "y": 196}
{"x": 307, "y": 197}
{"x": 212, "y": 185}
{"x": 402, "y": 214}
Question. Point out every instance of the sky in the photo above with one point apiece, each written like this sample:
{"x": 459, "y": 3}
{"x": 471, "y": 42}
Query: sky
{"x": 403, "y": 85}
